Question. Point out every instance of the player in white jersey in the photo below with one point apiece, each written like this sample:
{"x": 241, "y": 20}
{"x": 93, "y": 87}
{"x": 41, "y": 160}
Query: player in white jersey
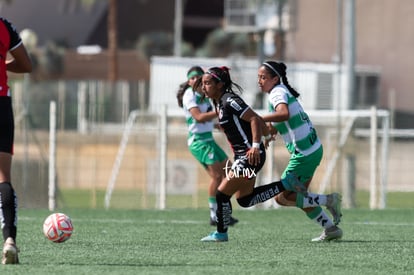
{"x": 200, "y": 117}
{"x": 288, "y": 118}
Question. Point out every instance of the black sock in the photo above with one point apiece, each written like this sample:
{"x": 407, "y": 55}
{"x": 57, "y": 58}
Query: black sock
{"x": 8, "y": 210}
{"x": 261, "y": 194}
{"x": 223, "y": 212}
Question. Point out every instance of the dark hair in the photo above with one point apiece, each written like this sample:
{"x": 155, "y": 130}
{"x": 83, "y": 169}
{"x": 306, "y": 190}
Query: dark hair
{"x": 279, "y": 69}
{"x": 180, "y": 93}
{"x": 184, "y": 86}
{"x": 196, "y": 69}
{"x": 221, "y": 74}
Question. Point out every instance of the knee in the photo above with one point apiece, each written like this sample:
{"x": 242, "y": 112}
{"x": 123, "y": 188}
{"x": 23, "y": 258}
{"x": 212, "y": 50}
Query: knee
{"x": 244, "y": 201}
{"x": 216, "y": 179}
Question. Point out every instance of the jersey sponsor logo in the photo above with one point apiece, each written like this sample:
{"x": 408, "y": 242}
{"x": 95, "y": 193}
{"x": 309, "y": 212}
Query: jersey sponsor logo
{"x": 264, "y": 196}
{"x": 278, "y": 98}
{"x": 234, "y": 104}
{"x": 226, "y": 210}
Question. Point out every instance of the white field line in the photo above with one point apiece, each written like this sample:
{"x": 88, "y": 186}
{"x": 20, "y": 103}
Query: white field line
{"x": 157, "y": 221}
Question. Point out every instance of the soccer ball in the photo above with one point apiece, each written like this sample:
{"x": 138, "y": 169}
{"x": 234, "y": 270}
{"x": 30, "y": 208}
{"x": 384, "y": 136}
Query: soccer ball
{"x": 58, "y": 227}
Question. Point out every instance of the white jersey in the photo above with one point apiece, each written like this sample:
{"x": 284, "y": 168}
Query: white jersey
{"x": 297, "y": 132}
{"x": 192, "y": 99}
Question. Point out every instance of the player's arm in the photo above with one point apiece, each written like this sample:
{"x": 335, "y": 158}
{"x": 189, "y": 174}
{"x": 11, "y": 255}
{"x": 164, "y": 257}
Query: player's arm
{"x": 281, "y": 114}
{"x": 202, "y": 117}
{"x": 21, "y": 62}
{"x": 256, "y": 123}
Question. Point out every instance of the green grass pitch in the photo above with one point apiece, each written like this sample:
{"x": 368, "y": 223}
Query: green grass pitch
{"x": 274, "y": 241}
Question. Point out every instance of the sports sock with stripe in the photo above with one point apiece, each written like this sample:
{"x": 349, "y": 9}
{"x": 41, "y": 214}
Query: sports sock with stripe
{"x": 320, "y": 217}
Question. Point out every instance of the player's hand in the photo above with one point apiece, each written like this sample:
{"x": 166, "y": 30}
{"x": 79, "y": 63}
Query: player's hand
{"x": 267, "y": 139}
{"x": 253, "y": 156}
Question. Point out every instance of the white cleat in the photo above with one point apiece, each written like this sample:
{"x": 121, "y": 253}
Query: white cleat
{"x": 330, "y": 234}
{"x": 10, "y": 252}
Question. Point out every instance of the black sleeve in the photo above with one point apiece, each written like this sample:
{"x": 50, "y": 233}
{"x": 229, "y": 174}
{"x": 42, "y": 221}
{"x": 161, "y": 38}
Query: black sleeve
{"x": 234, "y": 104}
{"x": 15, "y": 39}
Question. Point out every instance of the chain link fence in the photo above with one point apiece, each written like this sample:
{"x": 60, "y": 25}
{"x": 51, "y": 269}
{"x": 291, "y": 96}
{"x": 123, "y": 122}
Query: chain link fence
{"x": 91, "y": 119}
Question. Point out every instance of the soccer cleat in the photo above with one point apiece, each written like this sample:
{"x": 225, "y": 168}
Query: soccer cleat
{"x": 233, "y": 221}
{"x": 330, "y": 234}
{"x": 292, "y": 183}
{"x": 216, "y": 237}
{"x": 10, "y": 252}
{"x": 333, "y": 205}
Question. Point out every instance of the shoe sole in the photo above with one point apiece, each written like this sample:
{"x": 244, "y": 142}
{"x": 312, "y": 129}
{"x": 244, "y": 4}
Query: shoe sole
{"x": 213, "y": 241}
{"x": 332, "y": 239}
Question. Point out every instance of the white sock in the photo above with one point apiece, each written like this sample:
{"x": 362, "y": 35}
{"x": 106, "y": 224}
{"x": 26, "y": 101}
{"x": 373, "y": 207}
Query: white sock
{"x": 314, "y": 200}
{"x": 323, "y": 220}
{"x": 213, "y": 208}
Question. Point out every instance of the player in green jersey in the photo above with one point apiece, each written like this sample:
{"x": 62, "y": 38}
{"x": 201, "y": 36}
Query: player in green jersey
{"x": 200, "y": 117}
{"x": 288, "y": 118}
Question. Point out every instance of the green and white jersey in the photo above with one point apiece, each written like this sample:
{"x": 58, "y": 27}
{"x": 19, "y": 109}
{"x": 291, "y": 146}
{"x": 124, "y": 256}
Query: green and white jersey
{"x": 202, "y": 131}
{"x": 297, "y": 132}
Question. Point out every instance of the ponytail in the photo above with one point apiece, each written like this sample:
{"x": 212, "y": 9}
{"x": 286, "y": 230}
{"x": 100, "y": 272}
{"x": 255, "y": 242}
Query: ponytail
{"x": 180, "y": 93}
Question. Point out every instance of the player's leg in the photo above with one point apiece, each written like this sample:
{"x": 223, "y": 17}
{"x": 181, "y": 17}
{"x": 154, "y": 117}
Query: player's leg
{"x": 224, "y": 208}
{"x": 8, "y": 200}
{"x": 215, "y": 179}
{"x": 216, "y": 172}
{"x": 304, "y": 167}
{"x": 330, "y": 230}
{"x": 331, "y": 201}
{"x": 234, "y": 181}
{"x": 260, "y": 194}
{"x": 217, "y": 164}
{"x": 8, "y": 213}
{"x": 248, "y": 196}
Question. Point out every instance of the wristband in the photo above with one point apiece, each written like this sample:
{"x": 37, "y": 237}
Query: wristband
{"x": 256, "y": 145}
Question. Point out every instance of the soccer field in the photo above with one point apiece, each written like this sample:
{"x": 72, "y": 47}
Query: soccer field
{"x": 275, "y": 241}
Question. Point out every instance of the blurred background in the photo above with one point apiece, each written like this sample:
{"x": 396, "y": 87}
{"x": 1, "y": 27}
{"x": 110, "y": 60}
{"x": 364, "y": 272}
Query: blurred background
{"x": 97, "y": 123}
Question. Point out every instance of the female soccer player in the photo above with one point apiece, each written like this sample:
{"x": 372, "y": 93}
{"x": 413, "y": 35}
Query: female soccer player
{"x": 199, "y": 116}
{"x": 293, "y": 124}
{"x": 243, "y": 129}
{"x": 11, "y": 42}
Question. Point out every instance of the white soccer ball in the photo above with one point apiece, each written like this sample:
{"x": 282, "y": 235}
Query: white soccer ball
{"x": 58, "y": 227}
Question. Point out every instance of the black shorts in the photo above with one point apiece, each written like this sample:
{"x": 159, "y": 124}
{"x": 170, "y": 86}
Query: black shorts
{"x": 242, "y": 168}
{"x": 6, "y": 125}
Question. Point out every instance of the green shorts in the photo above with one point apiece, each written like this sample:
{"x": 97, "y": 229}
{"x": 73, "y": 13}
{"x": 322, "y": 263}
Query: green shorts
{"x": 304, "y": 166}
{"x": 207, "y": 152}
